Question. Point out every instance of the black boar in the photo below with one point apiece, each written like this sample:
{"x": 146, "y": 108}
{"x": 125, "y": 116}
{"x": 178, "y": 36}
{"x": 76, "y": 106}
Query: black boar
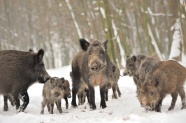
{"x": 23, "y": 95}
{"x": 166, "y": 77}
{"x": 114, "y": 74}
{"x": 19, "y": 70}
{"x": 53, "y": 91}
{"x": 90, "y": 65}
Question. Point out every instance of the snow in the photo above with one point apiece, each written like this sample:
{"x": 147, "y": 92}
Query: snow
{"x": 124, "y": 109}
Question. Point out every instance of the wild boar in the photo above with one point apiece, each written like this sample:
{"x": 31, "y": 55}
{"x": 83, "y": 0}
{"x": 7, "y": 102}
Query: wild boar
{"x": 132, "y": 65}
{"x": 53, "y": 92}
{"x": 144, "y": 68}
{"x": 166, "y": 77}
{"x": 90, "y": 65}
{"x": 139, "y": 67}
{"x": 19, "y": 70}
{"x": 23, "y": 95}
{"x": 114, "y": 74}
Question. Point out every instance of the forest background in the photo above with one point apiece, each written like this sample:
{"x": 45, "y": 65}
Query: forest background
{"x": 132, "y": 27}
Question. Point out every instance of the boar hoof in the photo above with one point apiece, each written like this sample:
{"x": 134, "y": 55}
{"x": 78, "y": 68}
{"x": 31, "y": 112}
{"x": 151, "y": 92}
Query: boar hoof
{"x": 74, "y": 106}
{"x": 42, "y": 112}
{"x": 92, "y": 107}
{"x": 103, "y": 105}
{"x": 114, "y": 96}
{"x": 5, "y": 108}
{"x": 171, "y": 108}
{"x": 60, "y": 111}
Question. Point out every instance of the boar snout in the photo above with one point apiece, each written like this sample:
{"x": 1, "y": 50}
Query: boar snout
{"x": 44, "y": 78}
{"x": 56, "y": 94}
{"x": 95, "y": 66}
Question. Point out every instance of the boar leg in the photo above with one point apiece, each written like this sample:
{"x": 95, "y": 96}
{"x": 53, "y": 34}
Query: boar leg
{"x": 48, "y": 107}
{"x": 74, "y": 92}
{"x": 83, "y": 97}
{"x": 51, "y": 108}
{"x": 5, "y": 102}
{"x": 92, "y": 97}
{"x": 182, "y": 95}
{"x": 16, "y": 100}
{"x": 58, "y": 104}
{"x": 102, "y": 92}
{"x": 66, "y": 100}
{"x": 25, "y": 98}
{"x": 106, "y": 94}
{"x": 43, "y": 104}
{"x": 114, "y": 88}
{"x": 174, "y": 98}
{"x": 119, "y": 93}
{"x": 79, "y": 98}
{"x": 87, "y": 93}
{"x": 158, "y": 105}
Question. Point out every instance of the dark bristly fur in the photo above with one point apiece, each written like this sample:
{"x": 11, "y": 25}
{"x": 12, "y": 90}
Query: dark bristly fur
{"x": 166, "y": 77}
{"x": 138, "y": 67}
{"x": 19, "y": 70}
{"x": 90, "y": 65}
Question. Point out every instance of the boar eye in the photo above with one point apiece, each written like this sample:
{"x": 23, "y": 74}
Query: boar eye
{"x": 130, "y": 64}
{"x": 151, "y": 93}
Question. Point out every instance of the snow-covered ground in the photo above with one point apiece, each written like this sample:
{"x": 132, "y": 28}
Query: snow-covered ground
{"x": 124, "y": 109}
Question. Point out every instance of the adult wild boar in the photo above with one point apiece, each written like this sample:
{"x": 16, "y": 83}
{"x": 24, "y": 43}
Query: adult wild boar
{"x": 90, "y": 65}
{"x": 19, "y": 70}
{"x": 23, "y": 95}
{"x": 166, "y": 77}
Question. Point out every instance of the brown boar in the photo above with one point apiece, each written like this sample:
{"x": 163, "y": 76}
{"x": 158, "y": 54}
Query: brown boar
{"x": 19, "y": 70}
{"x": 90, "y": 65}
{"x": 139, "y": 67}
{"x": 145, "y": 67}
{"x": 166, "y": 77}
{"x": 53, "y": 91}
{"x": 114, "y": 74}
{"x": 132, "y": 65}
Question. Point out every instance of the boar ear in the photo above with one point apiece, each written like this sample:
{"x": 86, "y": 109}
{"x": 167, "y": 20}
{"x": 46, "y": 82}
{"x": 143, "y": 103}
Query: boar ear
{"x": 84, "y": 44}
{"x": 39, "y": 56}
{"x": 51, "y": 80}
{"x": 133, "y": 58}
{"x": 105, "y": 44}
{"x": 62, "y": 79}
{"x": 31, "y": 50}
